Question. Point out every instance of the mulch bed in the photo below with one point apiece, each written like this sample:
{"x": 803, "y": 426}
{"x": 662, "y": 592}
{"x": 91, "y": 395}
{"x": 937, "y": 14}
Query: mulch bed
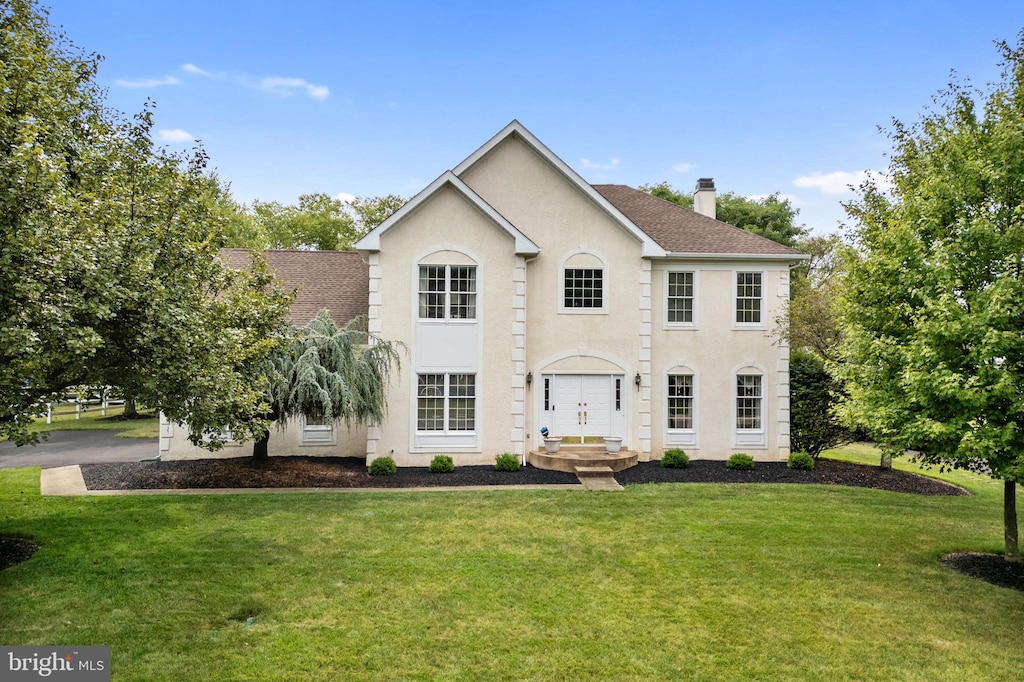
{"x": 350, "y": 472}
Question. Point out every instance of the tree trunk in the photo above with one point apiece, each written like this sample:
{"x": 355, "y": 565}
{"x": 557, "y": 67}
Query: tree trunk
{"x": 259, "y": 447}
{"x": 1010, "y": 521}
{"x": 130, "y": 410}
{"x": 886, "y": 460}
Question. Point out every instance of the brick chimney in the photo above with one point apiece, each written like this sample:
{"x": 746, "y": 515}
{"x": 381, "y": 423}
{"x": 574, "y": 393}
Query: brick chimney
{"x": 704, "y": 197}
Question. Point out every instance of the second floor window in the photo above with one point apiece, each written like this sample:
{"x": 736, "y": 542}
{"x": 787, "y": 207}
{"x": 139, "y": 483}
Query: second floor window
{"x": 680, "y": 297}
{"x": 447, "y": 292}
{"x": 748, "y": 298}
{"x": 584, "y": 288}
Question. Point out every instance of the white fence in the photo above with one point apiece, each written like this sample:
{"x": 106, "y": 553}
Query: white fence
{"x": 76, "y": 405}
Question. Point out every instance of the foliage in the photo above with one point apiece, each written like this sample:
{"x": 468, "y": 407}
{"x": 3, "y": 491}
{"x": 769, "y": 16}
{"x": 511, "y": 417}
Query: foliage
{"x": 932, "y": 311}
{"x": 506, "y": 462}
{"x": 319, "y": 221}
{"x": 800, "y": 460}
{"x": 441, "y": 464}
{"x": 814, "y": 398}
{"x": 810, "y": 322}
{"x": 675, "y": 459}
{"x": 740, "y": 462}
{"x": 383, "y": 466}
{"x": 108, "y": 245}
{"x": 772, "y": 216}
{"x": 330, "y": 374}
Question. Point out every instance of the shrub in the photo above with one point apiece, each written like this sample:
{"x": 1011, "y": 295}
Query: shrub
{"x": 741, "y": 462}
{"x": 800, "y": 460}
{"x": 675, "y": 459}
{"x": 506, "y": 462}
{"x": 383, "y": 466}
{"x": 442, "y": 464}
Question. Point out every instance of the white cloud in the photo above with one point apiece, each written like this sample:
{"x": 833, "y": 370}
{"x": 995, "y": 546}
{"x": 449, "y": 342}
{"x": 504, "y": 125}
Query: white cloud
{"x": 147, "y": 82}
{"x": 345, "y": 197}
{"x": 175, "y": 135}
{"x": 682, "y": 167}
{"x": 195, "y": 70}
{"x": 587, "y": 164}
{"x": 839, "y": 182}
{"x": 287, "y": 87}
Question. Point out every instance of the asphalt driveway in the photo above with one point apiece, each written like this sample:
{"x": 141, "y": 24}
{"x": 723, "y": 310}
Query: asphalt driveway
{"x": 64, "y": 448}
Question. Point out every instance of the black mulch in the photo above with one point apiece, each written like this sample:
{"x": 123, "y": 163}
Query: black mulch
{"x": 15, "y": 550}
{"x": 350, "y": 472}
{"x": 992, "y": 568}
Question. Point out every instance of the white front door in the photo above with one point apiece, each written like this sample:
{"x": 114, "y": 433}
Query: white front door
{"x": 582, "y": 405}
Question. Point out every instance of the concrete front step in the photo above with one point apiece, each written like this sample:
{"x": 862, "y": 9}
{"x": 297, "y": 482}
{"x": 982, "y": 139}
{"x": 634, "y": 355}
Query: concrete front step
{"x": 571, "y": 458}
{"x": 597, "y": 478}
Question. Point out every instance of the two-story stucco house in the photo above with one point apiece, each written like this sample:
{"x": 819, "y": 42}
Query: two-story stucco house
{"x": 528, "y": 298}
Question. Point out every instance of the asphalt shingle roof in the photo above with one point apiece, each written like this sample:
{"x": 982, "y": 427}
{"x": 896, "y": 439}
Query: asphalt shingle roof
{"x": 680, "y": 230}
{"x": 336, "y": 280}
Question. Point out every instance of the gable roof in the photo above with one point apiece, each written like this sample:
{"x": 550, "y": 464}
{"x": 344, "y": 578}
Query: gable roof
{"x": 681, "y": 231}
{"x": 336, "y": 280}
{"x": 523, "y": 244}
{"x": 517, "y": 129}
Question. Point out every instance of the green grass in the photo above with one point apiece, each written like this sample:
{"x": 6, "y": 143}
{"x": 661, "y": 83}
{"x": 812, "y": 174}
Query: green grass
{"x": 146, "y": 427}
{"x": 697, "y": 582}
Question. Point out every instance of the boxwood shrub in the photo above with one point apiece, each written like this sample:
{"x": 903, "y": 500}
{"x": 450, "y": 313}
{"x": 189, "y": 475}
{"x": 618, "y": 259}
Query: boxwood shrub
{"x": 442, "y": 464}
{"x": 675, "y": 459}
{"x": 506, "y": 462}
{"x": 383, "y": 466}
{"x": 800, "y": 460}
{"x": 741, "y": 461}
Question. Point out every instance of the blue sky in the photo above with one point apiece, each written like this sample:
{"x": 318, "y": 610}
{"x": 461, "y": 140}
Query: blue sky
{"x": 371, "y": 98}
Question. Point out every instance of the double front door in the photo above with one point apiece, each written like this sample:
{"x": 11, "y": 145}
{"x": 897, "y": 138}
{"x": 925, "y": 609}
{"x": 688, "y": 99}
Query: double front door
{"x": 585, "y": 405}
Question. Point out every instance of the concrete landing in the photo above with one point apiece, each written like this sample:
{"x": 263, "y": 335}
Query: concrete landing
{"x": 571, "y": 457}
{"x": 62, "y": 481}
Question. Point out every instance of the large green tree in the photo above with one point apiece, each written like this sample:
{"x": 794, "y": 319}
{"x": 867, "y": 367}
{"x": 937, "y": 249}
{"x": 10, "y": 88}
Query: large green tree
{"x": 330, "y": 374}
{"x": 318, "y": 221}
{"x": 933, "y": 309}
{"x": 108, "y": 251}
{"x": 772, "y": 216}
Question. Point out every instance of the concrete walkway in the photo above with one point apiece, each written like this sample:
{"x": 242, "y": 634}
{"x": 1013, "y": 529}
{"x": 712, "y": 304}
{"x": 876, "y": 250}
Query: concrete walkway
{"x": 68, "y": 481}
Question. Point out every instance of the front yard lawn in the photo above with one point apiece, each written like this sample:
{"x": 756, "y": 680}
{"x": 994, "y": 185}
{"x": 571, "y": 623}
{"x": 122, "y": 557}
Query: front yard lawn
{"x": 673, "y": 581}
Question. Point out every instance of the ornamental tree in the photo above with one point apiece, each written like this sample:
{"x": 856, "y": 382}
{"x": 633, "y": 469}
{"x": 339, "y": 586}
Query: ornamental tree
{"x": 932, "y": 310}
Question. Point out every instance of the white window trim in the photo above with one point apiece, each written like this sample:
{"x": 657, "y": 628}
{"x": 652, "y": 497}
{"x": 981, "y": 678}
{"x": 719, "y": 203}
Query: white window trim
{"x": 447, "y": 319}
{"x": 747, "y": 438}
{"x": 692, "y": 324}
{"x": 317, "y": 434}
{"x": 682, "y": 437}
{"x": 457, "y": 441}
{"x": 605, "y": 292}
{"x": 761, "y": 324}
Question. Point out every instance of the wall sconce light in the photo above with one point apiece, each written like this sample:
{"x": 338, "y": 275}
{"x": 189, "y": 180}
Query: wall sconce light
{"x": 529, "y": 378}
{"x": 637, "y": 380}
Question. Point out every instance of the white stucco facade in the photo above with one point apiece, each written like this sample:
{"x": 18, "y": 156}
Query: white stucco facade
{"x": 526, "y": 299}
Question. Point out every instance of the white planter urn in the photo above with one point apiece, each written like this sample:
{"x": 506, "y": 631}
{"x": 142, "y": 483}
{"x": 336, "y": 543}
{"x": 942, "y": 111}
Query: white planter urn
{"x": 552, "y": 444}
{"x": 612, "y": 444}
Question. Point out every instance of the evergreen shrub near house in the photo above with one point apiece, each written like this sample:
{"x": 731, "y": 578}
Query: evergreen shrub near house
{"x": 442, "y": 464}
{"x": 675, "y": 459}
{"x": 741, "y": 462}
{"x": 383, "y": 466}
{"x": 506, "y": 462}
{"x": 800, "y": 460}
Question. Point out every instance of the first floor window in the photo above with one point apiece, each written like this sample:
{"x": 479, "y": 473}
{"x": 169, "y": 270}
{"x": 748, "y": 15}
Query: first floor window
{"x": 748, "y": 297}
{"x": 584, "y": 288}
{"x": 446, "y": 402}
{"x": 749, "y": 398}
{"x": 317, "y": 430}
{"x": 680, "y": 401}
{"x": 680, "y": 297}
